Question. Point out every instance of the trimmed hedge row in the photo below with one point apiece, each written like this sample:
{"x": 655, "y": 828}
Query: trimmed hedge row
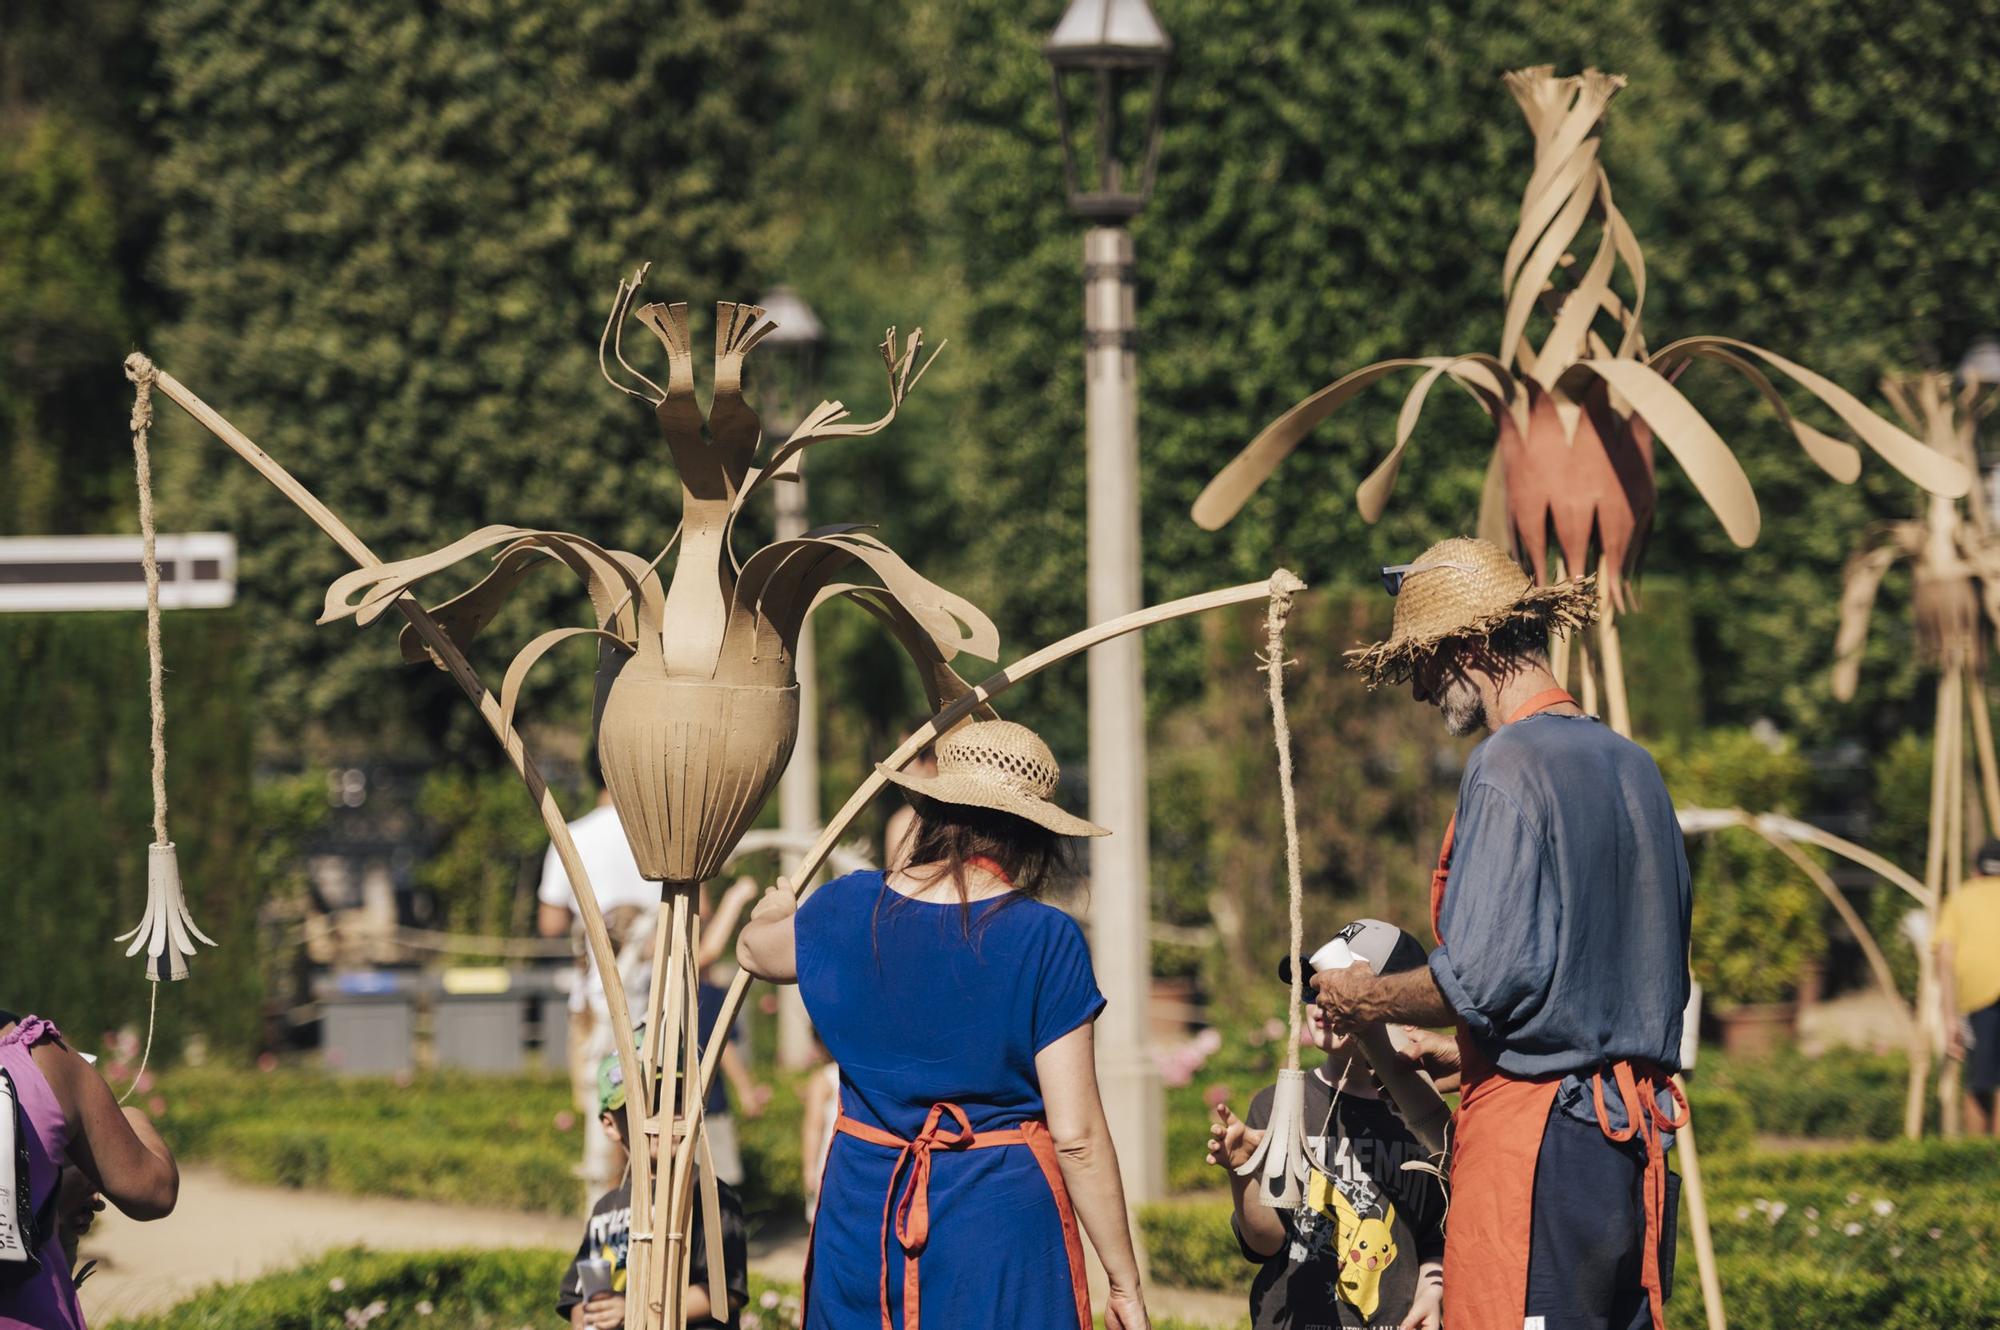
{"x": 463, "y": 1290}
{"x": 1901, "y": 1235}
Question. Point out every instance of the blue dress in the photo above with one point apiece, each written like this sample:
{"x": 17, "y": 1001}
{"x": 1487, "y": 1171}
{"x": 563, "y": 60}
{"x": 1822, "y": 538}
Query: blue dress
{"x": 919, "y": 1014}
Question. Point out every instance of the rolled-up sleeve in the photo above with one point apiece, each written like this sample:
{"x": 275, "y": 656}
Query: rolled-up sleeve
{"x": 1500, "y": 918}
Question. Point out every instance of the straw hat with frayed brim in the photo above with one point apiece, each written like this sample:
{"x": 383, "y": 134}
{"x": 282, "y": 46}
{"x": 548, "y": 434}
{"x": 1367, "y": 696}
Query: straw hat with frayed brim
{"x": 1463, "y": 590}
{"x": 999, "y": 765}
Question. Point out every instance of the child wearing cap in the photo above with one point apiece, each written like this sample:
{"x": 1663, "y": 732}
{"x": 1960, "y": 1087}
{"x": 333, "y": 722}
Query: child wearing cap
{"x": 1367, "y": 1248}
{"x": 607, "y": 1236}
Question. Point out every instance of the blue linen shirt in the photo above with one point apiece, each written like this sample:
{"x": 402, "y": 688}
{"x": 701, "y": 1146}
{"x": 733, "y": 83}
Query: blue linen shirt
{"x": 1566, "y": 914}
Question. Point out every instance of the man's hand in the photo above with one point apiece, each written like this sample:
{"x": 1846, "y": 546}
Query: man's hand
{"x": 1956, "y": 1039}
{"x": 1230, "y": 1141}
{"x": 604, "y": 1311}
{"x": 1349, "y": 997}
{"x": 777, "y": 905}
{"x": 1356, "y": 996}
{"x": 1432, "y": 1052}
{"x": 755, "y": 1099}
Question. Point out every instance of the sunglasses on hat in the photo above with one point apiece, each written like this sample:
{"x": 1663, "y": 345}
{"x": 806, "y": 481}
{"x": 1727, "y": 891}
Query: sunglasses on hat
{"x": 1394, "y": 574}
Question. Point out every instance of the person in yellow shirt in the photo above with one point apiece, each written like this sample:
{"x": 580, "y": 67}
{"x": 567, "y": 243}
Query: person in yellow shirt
{"x": 1968, "y": 956}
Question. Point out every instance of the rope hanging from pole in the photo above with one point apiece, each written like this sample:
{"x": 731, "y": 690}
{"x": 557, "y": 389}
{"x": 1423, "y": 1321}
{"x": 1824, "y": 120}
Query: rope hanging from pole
{"x": 1283, "y": 1156}
{"x": 166, "y": 933}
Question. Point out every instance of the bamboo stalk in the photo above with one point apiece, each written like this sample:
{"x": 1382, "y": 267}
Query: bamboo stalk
{"x": 1704, "y": 1243}
{"x": 1982, "y": 736}
{"x": 1613, "y": 654}
{"x": 1934, "y": 864}
{"x": 596, "y": 937}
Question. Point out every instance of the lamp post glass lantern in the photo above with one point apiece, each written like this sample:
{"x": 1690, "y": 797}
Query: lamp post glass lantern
{"x": 787, "y": 388}
{"x": 1108, "y": 64}
{"x": 1112, "y": 55}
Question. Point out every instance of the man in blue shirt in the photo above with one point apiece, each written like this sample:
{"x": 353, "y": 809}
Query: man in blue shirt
{"x": 1562, "y": 905}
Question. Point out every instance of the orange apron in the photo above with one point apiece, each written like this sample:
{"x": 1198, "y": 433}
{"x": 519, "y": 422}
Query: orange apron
{"x": 906, "y": 1209}
{"x": 1497, "y": 1141}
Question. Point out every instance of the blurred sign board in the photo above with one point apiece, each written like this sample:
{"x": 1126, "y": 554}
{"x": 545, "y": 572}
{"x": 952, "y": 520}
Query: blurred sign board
{"x": 44, "y": 573}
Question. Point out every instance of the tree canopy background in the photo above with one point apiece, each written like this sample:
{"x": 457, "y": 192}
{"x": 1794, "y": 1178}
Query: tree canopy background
{"x": 383, "y": 241}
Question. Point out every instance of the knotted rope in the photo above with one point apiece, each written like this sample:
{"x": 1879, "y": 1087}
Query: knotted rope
{"x": 141, "y": 372}
{"x": 1284, "y": 587}
{"x": 166, "y": 932}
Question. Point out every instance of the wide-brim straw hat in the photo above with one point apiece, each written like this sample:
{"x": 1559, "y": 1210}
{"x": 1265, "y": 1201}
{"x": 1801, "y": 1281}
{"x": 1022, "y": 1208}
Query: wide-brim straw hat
{"x": 999, "y": 765}
{"x": 1462, "y": 590}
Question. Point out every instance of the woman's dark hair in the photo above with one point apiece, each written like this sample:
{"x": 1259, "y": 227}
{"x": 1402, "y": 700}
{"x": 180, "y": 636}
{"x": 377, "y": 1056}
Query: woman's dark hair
{"x": 948, "y": 836}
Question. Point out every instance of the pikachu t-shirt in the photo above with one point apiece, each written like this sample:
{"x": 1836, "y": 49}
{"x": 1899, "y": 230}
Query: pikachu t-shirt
{"x": 1351, "y": 1256}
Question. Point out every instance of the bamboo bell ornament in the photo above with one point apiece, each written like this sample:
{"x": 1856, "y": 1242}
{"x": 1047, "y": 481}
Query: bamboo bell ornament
{"x": 167, "y": 932}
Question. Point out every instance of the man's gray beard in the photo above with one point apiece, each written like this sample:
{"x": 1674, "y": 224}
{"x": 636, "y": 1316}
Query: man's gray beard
{"x": 1464, "y": 713}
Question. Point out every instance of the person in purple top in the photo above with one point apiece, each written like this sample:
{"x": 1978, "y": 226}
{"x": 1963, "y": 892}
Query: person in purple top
{"x": 67, "y": 1119}
{"x": 971, "y": 1139}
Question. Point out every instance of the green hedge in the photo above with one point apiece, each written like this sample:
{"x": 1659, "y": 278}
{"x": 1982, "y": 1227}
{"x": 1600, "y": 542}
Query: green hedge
{"x": 451, "y": 1137}
{"x": 463, "y": 1290}
{"x": 1876, "y": 1235}
{"x": 76, "y": 817}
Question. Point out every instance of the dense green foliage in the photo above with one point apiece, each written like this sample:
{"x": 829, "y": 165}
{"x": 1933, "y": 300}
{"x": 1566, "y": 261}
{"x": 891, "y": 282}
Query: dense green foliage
{"x": 76, "y": 810}
{"x": 1756, "y": 916}
{"x": 509, "y": 1142}
{"x": 1901, "y": 1234}
{"x": 404, "y": 306}
{"x": 77, "y": 224}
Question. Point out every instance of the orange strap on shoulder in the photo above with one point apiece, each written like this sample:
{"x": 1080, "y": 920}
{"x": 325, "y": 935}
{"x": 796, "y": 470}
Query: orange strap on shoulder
{"x": 906, "y": 1209}
{"x": 1639, "y": 1090}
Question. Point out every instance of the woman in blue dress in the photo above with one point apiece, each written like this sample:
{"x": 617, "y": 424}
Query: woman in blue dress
{"x": 971, "y": 1144}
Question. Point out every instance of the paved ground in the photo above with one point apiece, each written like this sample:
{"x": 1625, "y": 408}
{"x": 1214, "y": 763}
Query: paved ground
{"x": 225, "y": 1231}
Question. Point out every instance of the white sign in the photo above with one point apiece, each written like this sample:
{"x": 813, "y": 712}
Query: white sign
{"x": 43, "y": 573}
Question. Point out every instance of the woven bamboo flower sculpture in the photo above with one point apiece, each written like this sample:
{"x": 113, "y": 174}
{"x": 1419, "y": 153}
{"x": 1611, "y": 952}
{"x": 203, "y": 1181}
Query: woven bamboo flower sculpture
{"x": 1953, "y": 552}
{"x": 695, "y": 723}
{"x": 1577, "y": 416}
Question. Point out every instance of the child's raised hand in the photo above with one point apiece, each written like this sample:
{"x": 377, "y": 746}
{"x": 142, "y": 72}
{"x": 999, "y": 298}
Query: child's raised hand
{"x": 1230, "y": 1141}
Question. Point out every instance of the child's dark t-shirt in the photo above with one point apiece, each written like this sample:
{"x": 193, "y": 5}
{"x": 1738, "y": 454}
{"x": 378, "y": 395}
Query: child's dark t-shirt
{"x": 607, "y": 1236}
{"x": 1351, "y": 1258}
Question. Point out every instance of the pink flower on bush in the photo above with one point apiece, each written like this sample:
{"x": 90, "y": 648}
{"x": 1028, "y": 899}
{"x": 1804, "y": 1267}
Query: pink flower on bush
{"x": 267, "y": 1062}
{"x": 768, "y": 1004}
{"x": 157, "y": 1106}
{"x": 565, "y": 1120}
{"x": 1216, "y": 1094}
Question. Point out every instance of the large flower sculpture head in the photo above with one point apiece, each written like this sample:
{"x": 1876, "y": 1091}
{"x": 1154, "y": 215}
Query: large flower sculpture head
{"x": 1577, "y": 416}
{"x": 697, "y": 696}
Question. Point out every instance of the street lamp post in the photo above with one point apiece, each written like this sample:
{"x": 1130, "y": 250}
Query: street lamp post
{"x": 1109, "y": 55}
{"x": 787, "y": 390}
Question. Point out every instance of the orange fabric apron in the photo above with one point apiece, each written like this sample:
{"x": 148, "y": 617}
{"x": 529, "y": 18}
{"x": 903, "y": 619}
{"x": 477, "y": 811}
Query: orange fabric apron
{"x": 1497, "y": 1141}
{"x": 906, "y": 1209}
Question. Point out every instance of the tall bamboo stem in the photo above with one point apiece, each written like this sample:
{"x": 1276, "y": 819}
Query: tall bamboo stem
{"x": 1613, "y": 655}
{"x": 1982, "y": 737}
{"x": 1934, "y": 884}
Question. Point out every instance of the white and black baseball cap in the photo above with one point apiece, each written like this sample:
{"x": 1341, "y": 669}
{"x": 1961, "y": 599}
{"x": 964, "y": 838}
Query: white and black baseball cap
{"x": 1383, "y": 948}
